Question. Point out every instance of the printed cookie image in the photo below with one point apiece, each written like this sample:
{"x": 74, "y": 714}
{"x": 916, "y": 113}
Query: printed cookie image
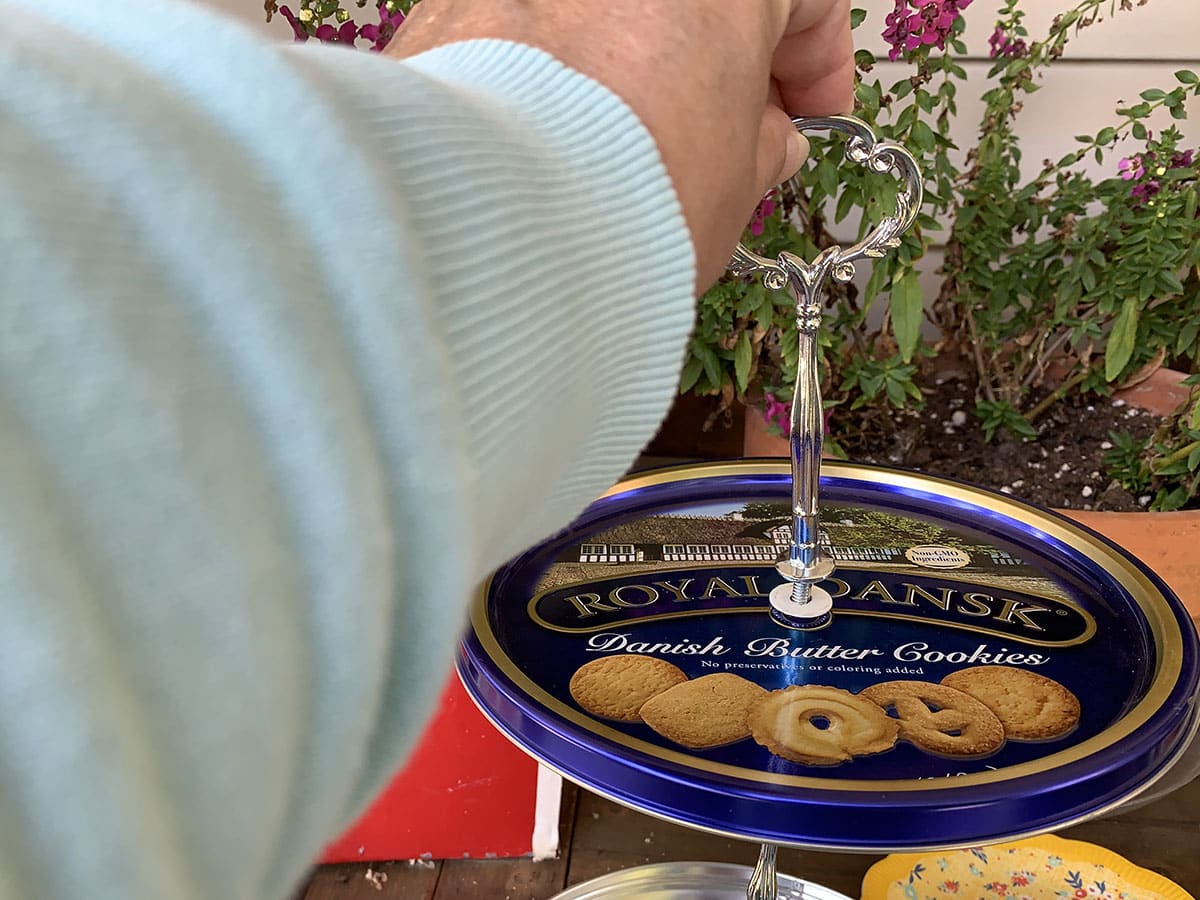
{"x": 821, "y": 726}
{"x": 1031, "y": 707}
{"x": 615, "y": 687}
{"x": 939, "y": 719}
{"x": 707, "y": 712}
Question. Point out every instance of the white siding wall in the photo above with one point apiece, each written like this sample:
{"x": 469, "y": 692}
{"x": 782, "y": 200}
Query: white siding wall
{"x": 1105, "y": 66}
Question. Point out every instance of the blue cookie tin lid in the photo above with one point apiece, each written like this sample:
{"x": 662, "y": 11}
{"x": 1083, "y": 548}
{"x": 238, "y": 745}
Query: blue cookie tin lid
{"x": 1084, "y": 660}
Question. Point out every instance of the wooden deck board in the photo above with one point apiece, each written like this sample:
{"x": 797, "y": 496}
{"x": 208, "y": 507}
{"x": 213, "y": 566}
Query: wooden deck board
{"x": 404, "y": 881}
{"x": 601, "y": 837}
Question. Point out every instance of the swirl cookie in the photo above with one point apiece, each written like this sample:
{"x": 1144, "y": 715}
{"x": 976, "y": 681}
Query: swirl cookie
{"x": 1030, "y": 706}
{"x": 707, "y": 712}
{"x": 615, "y": 687}
{"x": 820, "y": 726}
{"x": 939, "y": 719}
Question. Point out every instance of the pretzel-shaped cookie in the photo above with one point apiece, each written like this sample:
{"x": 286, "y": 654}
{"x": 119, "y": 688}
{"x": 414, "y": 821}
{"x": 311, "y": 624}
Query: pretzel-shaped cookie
{"x": 820, "y": 726}
{"x": 939, "y": 719}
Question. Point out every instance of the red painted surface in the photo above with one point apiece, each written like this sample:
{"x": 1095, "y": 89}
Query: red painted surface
{"x": 466, "y": 791}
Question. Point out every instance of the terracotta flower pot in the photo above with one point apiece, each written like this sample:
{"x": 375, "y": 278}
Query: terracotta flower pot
{"x": 759, "y": 440}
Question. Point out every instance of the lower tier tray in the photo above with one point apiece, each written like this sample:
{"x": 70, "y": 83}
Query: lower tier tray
{"x": 990, "y": 670}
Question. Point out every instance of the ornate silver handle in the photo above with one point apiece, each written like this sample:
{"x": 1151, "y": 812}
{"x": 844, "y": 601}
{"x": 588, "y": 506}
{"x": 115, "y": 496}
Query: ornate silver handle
{"x": 797, "y": 603}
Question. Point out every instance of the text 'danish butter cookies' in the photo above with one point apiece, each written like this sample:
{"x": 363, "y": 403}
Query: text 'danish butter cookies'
{"x": 709, "y": 711}
{"x": 939, "y": 719}
{"x": 615, "y": 687}
{"x": 1031, "y": 707}
{"x": 820, "y": 726}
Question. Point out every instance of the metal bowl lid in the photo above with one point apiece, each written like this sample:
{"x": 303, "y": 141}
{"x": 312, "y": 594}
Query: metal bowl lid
{"x": 689, "y": 881}
{"x": 667, "y": 577}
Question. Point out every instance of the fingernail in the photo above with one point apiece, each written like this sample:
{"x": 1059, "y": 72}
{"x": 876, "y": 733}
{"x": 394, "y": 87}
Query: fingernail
{"x": 797, "y": 153}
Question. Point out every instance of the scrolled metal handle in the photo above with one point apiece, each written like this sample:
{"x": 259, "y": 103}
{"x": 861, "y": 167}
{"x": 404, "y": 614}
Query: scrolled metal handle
{"x": 799, "y": 602}
{"x": 881, "y": 157}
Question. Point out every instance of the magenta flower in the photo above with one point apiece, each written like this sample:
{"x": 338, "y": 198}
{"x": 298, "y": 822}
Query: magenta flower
{"x": 381, "y": 34}
{"x": 1002, "y": 45}
{"x": 344, "y": 35}
{"x": 777, "y": 412}
{"x": 297, "y": 26}
{"x": 1131, "y": 168}
{"x": 913, "y": 23}
{"x": 1182, "y": 160}
{"x": 766, "y": 207}
{"x": 1144, "y": 191}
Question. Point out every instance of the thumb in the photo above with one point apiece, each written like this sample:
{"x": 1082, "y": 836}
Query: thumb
{"x": 782, "y": 150}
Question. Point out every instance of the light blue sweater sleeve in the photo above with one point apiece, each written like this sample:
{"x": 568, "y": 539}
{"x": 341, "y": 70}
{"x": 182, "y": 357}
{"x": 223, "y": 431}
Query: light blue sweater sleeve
{"x": 295, "y": 344}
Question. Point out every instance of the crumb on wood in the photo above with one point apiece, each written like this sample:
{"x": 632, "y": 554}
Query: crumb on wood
{"x": 377, "y": 879}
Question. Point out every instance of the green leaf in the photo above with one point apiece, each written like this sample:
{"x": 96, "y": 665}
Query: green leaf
{"x": 857, "y": 17}
{"x": 895, "y": 393}
{"x": 921, "y": 137}
{"x": 765, "y": 315}
{"x": 868, "y": 95}
{"x": 879, "y": 277}
{"x": 1121, "y": 340}
{"x": 827, "y": 177}
{"x": 1187, "y": 76}
{"x": 1139, "y": 131}
{"x": 1106, "y": 135}
{"x": 844, "y": 205}
{"x": 1170, "y": 282}
{"x": 1193, "y": 460}
{"x": 742, "y": 356}
{"x": 1153, "y": 94}
{"x": 908, "y": 307}
{"x": 1179, "y": 112}
{"x": 691, "y": 374}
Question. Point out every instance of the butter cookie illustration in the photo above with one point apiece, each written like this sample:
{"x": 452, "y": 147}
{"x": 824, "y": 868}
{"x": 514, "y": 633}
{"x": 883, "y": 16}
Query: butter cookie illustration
{"x": 821, "y": 726}
{"x": 615, "y": 687}
{"x": 1031, "y": 707}
{"x": 939, "y": 719}
{"x": 706, "y": 712}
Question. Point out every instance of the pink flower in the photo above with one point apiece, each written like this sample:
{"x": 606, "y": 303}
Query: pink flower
{"x": 1002, "y": 45}
{"x": 777, "y": 412}
{"x": 297, "y": 26}
{"x": 766, "y": 207}
{"x": 345, "y": 35}
{"x": 913, "y": 23}
{"x": 1144, "y": 191}
{"x": 1131, "y": 168}
{"x": 382, "y": 33}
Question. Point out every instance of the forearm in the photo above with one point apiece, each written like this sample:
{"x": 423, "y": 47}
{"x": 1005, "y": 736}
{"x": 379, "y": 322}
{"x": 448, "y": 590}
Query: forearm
{"x": 294, "y": 346}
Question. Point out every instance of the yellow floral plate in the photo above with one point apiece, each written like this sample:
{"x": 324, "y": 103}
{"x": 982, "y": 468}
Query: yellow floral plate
{"x": 1041, "y": 868}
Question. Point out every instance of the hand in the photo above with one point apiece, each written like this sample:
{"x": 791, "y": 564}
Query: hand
{"x": 715, "y": 85}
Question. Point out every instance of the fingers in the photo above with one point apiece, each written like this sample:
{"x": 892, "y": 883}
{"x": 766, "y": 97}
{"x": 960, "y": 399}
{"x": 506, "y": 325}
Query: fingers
{"x": 814, "y": 63}
{"x": 782, "y": 150}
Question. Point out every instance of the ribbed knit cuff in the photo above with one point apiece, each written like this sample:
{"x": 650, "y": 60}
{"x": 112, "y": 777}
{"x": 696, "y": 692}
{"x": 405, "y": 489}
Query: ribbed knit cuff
{"x": 564, "y": 269}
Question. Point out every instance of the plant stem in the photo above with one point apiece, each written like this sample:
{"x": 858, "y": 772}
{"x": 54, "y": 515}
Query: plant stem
{"x": 980, "y": 369}
{"x": 1181, "y": 453}
{"x": 1057, "y": 394}
{"x": 1043, "y": 358}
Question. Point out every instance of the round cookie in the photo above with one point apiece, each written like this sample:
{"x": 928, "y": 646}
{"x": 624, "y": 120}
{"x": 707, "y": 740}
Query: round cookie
{"x": 1031, "y": 707}
{"x": 939, "y": 719}
{"x": 820, "y": 726}
{"x": 615, "y": 687}
{"x": 706, "y": 712}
